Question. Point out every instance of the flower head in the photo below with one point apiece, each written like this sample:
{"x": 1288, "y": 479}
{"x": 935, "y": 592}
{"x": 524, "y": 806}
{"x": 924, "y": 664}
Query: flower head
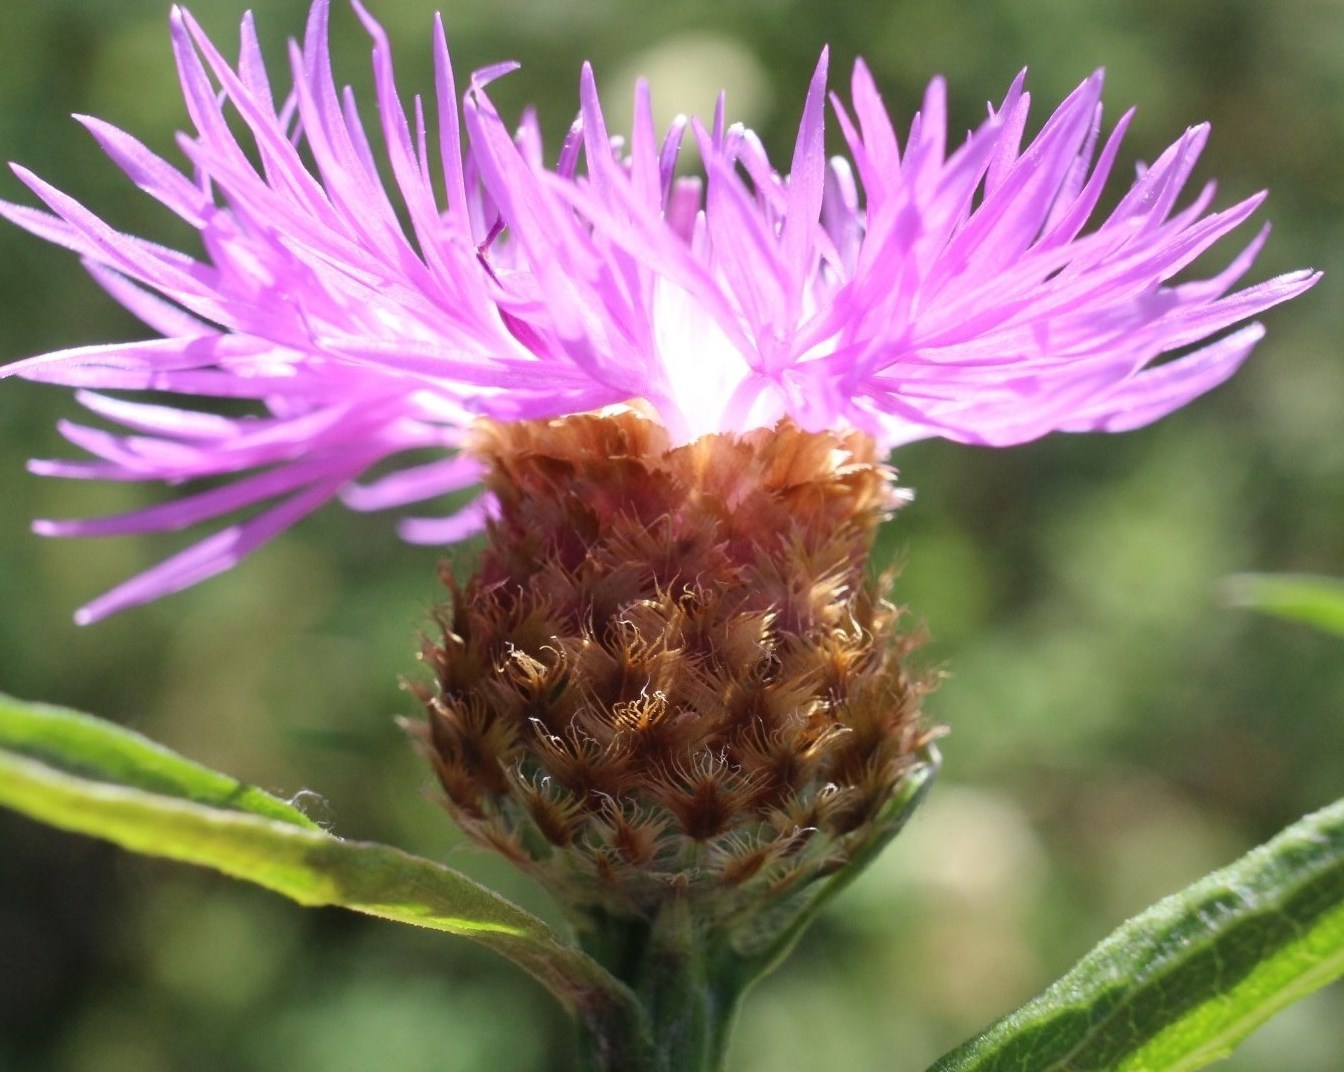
{"x": 900, "y": 292}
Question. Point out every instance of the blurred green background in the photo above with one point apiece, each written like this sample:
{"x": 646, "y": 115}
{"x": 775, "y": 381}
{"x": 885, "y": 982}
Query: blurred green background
{"x": 1115, "y": 732}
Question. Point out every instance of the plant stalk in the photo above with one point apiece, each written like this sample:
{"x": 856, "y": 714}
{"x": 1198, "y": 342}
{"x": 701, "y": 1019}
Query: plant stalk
{"x": 687, "y": 988}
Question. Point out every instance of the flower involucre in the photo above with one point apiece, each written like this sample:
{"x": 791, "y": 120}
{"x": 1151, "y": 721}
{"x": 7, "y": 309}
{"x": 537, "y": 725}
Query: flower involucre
{"x": 670, "y": 674}
{"x": 903, "y": 294}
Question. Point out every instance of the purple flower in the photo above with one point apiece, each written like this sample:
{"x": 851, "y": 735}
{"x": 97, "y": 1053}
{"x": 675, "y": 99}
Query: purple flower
{"x": 908, "y": 294}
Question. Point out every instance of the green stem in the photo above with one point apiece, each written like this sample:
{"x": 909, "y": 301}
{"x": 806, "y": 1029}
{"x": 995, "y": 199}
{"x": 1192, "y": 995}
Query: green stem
{"x": 687, "y": 989}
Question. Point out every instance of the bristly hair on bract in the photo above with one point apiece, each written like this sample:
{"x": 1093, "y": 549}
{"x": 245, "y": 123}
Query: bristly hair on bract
{"x": 900, "y": 292}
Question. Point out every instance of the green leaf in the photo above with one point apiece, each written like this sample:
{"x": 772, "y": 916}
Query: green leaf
{"x": 1300, "y": 597}
{"x": 1180, "y": 985}
{"x": 101, "y": 751}
{"x": 94, "y": 778}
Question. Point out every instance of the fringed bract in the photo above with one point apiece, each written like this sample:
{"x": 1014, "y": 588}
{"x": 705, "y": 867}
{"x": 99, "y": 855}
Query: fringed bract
{"x": 671, "y": 673}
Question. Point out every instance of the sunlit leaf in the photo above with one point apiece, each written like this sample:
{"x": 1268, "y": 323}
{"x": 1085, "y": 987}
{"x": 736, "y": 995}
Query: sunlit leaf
{"x": 94, "y": 778}
{"x": 1301, "y": 597}
{"x": 101, "y": 751}
{"x": 1178, "y": 986}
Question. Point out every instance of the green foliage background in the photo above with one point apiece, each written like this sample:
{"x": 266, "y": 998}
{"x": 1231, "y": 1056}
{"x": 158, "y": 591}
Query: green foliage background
{"x": 1115, "y": 732}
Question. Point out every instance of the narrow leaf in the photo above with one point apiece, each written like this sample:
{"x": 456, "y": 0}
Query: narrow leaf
{"x": 1180, "y": 985}
{"x": 92, "y": 748}
{"x": 1301, "y": 597}
{"x": 50, "y": 771}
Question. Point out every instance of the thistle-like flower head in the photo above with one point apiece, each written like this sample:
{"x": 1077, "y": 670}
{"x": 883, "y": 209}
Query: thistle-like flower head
{"x": 901, "y": 291}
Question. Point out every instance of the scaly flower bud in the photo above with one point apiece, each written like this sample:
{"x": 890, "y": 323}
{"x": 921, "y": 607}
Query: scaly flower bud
{"x": 671, "y": 674}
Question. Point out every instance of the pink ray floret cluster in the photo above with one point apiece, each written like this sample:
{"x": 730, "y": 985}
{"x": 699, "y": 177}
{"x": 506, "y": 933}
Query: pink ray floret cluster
{"x": 962, "y": 292}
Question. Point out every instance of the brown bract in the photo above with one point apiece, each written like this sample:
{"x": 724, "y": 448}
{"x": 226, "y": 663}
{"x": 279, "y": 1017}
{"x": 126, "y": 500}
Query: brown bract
{"x": 671, "y": 673}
